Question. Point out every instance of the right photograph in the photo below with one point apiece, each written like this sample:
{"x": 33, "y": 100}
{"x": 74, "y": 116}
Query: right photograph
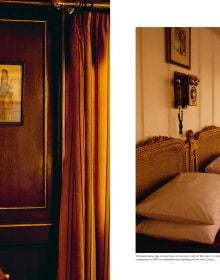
{"x": 177, "y": 140}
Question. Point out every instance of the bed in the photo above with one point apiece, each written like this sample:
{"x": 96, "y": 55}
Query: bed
{"x": 163, "y": 160}
{"x": 203, "y": 147}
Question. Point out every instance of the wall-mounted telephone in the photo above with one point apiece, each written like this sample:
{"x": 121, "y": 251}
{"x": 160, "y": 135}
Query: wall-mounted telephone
{"x": 185, "y": 90}
{"x": 185, "y": 93}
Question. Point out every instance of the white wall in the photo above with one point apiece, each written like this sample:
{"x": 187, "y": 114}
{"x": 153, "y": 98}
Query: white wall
{"x": 155, "y": 114}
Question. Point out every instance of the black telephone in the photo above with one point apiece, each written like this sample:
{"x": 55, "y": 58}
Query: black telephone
{"x": 185, "y": 93}
{"x": 185, "y": 90}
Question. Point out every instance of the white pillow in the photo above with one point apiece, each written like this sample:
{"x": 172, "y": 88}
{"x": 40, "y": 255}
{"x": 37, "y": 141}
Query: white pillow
{"x": 179, "y": 232}
{"x": 188, "y": 198}
{"x": 214, "y": 166}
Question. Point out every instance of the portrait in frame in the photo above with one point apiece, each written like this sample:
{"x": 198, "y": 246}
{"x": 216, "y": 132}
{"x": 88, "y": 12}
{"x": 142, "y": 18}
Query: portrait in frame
{"x": 178, "y": 46}
{"x": 11, "y": 93}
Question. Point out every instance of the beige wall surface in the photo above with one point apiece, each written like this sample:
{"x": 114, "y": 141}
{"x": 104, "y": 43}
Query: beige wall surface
{"x": 155, "y": 114}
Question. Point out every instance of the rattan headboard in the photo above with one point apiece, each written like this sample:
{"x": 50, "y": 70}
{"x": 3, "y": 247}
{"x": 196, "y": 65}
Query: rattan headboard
{"x": 158, "y": 160}
{"x": 204, "y": 146}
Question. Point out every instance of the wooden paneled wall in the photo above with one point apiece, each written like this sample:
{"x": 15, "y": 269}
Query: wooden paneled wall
{"x": 30, "y": 151}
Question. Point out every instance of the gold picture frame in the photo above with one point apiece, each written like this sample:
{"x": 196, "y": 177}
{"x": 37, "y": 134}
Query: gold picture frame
{"x": 11, "y": 93}
{"x": 178, "y": 46}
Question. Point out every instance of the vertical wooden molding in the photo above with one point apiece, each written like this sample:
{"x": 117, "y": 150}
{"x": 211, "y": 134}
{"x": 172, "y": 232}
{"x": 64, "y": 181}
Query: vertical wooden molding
{"x": 139, "y": 38}
{"x": 200, "y": 92}
{"x": 191, "y": 151}
{"x": 63, "y": 86}
{"x": 213, "y": 80}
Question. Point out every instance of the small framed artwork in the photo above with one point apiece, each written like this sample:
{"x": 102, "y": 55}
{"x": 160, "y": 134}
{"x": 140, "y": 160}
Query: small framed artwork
{"x": 178, "y": 46}
{"x": 11, "y": 93}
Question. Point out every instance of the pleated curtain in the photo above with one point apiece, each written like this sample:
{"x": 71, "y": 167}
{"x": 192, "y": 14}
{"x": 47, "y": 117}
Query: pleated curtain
{"x": 84, "y": 214}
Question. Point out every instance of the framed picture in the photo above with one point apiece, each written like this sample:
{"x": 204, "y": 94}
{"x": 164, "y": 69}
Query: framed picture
{"x": 178, "y": 46}
{"x": 11, "y": 93}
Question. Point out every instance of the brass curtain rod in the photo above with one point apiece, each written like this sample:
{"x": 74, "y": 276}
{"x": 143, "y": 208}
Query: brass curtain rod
{"x": 60, "y": 4}
{"x": 80, "y": 4}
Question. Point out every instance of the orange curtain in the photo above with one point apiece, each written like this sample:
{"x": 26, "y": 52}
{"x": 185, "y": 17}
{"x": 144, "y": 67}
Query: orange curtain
{"x": 84, "y": 213}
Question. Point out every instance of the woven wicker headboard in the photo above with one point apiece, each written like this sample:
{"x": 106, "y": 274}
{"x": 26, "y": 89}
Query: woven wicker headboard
{"x": 204, "y": 146}
{"x": 158, "y": 160}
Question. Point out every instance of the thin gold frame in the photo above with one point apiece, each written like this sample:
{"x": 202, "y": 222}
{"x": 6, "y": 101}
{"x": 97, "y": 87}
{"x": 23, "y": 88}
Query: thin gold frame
{"x": 7, "y": 65}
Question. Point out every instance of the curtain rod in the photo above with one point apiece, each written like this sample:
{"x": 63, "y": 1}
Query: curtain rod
{"x": 59, "y": 4}
{"x": 82, "y": 5}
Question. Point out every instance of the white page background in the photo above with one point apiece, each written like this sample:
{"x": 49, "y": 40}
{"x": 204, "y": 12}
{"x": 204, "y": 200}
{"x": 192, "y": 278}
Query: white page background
{"x": 125, "y": 17}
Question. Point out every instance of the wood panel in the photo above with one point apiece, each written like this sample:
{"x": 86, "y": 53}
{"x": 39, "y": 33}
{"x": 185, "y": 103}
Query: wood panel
{"x": 23, "y": 156}
{"x": 30, "y": 153}
{"x": 28, "y": 262}
{"x": 26, "y": 158}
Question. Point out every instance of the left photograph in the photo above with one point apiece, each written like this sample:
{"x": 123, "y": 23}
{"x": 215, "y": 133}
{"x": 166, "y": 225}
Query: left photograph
{"x": 11, "y": 93}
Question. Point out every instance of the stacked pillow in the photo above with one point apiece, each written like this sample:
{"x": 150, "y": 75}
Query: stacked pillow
{"x": 214, "y": 166}
{"x": 185, "y": 209}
